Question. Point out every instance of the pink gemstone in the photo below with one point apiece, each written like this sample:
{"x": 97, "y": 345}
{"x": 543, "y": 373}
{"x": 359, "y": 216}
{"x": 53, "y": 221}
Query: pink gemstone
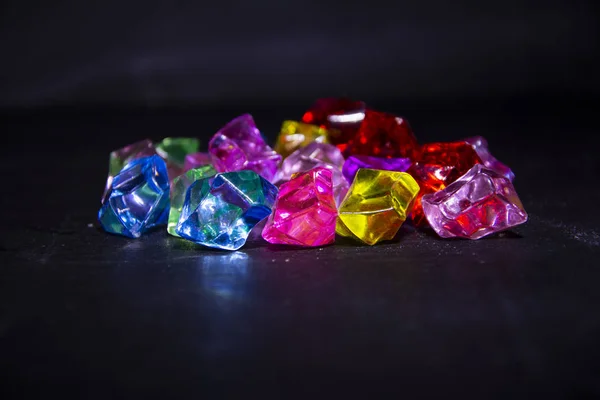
{"x": 316, "y": 155}
{"x": 480, "y": 146}
{"x": 304, "y": 213}
{"x": 479, "y": 203}
{"x": 353, "y": 163}
{"x": 239, "y": 145}
{"x": 196, "y": 160}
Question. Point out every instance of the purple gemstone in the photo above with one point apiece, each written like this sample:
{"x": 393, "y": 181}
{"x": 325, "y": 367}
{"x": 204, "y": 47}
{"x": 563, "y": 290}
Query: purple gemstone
{"x": 196, "y": 160}
{"x": 480, "y": 146}
{"x": 315, "y": 155}
{"x": 240, "y": 146}
{"x": 353, "y": 163}
{"x": 477, "y": 204}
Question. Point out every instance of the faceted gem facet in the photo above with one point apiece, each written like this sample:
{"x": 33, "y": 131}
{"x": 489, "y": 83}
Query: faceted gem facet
{"x": 196, "y": 160}
{"x": 316, "y": 155}
{"x": 179, "y": 187}
{"x": 138, "y": 198}
{"x": 439, "y": 165}
{"x": 305, "y": 212}
{"x": 481, "y": 147}
{"x": 353, "y": 163}
{"x": 479, "y": 203}
{"x": 174, "y": 151}
{"x": 221, "y": 211}
{"x": 341, "y": 116}
{"x": 239, "y": 145}
{"x": 376, "y": 205}
{"x": 384, "y": 135}
{"x": 294, "y": 135}
{"x": 121, "y": 157}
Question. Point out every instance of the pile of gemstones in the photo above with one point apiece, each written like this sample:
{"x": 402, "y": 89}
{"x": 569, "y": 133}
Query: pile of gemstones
{"x": 344, "y": 169}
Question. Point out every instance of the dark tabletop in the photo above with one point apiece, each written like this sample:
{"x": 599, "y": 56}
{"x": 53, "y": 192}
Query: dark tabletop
{"x": 86, "y": 313}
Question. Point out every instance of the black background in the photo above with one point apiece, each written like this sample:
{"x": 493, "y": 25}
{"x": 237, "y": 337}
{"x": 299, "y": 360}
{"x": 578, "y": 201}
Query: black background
{"x": 92, "y": 315}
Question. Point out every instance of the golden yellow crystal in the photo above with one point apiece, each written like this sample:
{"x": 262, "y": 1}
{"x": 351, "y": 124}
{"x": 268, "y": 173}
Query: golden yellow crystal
{"x": 294, "y": 135}
{"x": 376, "y": 205}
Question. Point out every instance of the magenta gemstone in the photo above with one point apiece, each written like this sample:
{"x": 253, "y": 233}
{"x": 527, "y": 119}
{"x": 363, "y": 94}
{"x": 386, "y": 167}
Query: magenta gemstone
{"x": 240, "y": 146}
{"x": 315, "y": 155}
{"x": 479, "y": 203}
{"x": 304, "y": 213}
{"x": 353, "y": 163}
{"x": 480, "y": 145}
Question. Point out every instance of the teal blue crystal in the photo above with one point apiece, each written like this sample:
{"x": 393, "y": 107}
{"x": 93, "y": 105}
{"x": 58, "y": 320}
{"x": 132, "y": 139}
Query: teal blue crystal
{"x": 221, "y": 211}
{"x": 138, "y": 198}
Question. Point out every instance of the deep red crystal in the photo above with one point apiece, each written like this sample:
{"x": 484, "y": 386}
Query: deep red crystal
{"x": 340, "y": 116}
{"x": 384, "y": 135}
{"x": 439, "y": 165}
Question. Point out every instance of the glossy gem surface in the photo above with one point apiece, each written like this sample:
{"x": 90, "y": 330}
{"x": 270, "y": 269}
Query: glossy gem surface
{"x": 305, "y": 212}
{"x": 376, "y": 205}
{"x": 294, "y": 135}
{"x": 138, "y": 198}
{"x": 173, "y": 151}
{"x": 439, "y": 165}
{"x": 221, "y": 211}
{"x": 316, "y": 155}
{"x": 480, "y": 145}
{"x": 121, "y": 157}
{"x": 240, "y": 146}
{"x": 195, "y": 160}
{"x": 480, "y": 203}
{"x": 179, "y": 187}
{"x": 384, "y": 135}
{"x": 353, "y": 163}
{"x": 341, "y": 116}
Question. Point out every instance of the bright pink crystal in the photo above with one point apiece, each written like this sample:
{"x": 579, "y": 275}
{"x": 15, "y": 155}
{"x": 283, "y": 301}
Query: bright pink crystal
{"x": 304, "y": 212}
{"x": 316, "y": 155}
{"x": 480, "y": 145}
{"x": 196, "y": 160}
{"x": 479, "y": 203}
{"x": 239, "y": 145}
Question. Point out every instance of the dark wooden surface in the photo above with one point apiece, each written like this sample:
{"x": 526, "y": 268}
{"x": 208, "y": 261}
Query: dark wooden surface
{"x": 99, "y": 316}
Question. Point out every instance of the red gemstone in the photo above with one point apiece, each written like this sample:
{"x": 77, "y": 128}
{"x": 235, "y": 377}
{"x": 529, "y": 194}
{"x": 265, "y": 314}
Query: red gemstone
{"x": 439, "y": 165}
{"x": 384, "y": 135}
{"x": 341, "y": 116}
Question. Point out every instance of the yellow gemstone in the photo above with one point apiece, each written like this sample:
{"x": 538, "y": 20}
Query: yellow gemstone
{"x": 294, "y": 135}
{"x": 376, "y": 205}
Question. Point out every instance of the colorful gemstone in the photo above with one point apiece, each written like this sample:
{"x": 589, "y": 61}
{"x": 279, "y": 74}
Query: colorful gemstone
{"x": 221, "y": 211}
{"x": 384, "y": 135}
{"x": 341, "y": 117}
{"x": 239, "y": 145}
{"x": 316, "y": 155}
{"x": 480, "y": 145}
{"x": 353, "y": 163}
{"x": 119, "y": 158}
{"x": 138, "y": 198}
{"x": 179, "y": 187}
{"x": 376, "y": 205}
{"x": 479, "y": 203}
{"x": 174, "y": 150}
{"x": 439, "y": 165}
{"x": 196, "y": 160}
{"x": 304, "y": 213}
{"x": 294, "y": 135}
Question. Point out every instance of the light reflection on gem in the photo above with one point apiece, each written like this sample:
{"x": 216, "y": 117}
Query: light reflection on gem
{"x": 354, "y": 117}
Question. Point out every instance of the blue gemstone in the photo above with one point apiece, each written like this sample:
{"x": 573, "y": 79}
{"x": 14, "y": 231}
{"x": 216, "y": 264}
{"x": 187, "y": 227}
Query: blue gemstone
{"x": 221, "y": 211}
{"x": 138, "y": 198}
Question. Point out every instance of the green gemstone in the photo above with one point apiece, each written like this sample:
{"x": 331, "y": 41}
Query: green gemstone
{"x": 175, "y": 149}
{"x": 179, "y": 188}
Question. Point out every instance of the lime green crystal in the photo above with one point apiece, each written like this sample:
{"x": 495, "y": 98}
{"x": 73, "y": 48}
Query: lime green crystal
{"x": 175, "y": 149}
{"x": 179, "y": 188}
